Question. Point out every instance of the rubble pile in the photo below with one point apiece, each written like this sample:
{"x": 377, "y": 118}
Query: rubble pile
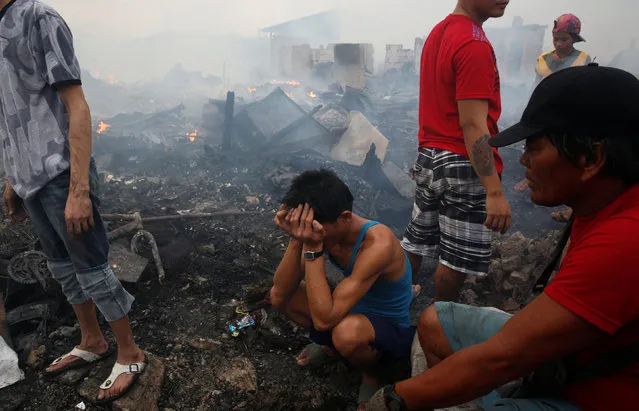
{"x": 517, "y": 263}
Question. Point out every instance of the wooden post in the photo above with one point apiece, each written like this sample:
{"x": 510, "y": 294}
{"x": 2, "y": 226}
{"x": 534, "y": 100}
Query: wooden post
{"x": 229, "y": 109}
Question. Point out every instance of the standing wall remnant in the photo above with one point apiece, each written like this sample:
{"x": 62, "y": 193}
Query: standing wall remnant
{"x": 397, "y": 57}
{"x": 352, "y": 62}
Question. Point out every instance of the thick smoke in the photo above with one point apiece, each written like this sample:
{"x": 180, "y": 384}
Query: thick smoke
{"x": 140, "y": 40}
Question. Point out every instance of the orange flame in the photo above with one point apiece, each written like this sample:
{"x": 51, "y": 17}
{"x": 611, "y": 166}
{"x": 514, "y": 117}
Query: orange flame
{"x": 192, "y": 135}
{"x": 312, "y": 95}
{"x": 111, "y": 79}
{"x": 251, "y": 90}
{"x": 102, "y": 127}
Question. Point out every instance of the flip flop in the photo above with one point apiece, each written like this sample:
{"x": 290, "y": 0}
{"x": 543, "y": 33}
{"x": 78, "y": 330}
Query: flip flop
{"x": 317, "y": 356}
{"x": 136, "y": 369}
{"x": 366, "y": 392}
{"x": 83, "y": 358}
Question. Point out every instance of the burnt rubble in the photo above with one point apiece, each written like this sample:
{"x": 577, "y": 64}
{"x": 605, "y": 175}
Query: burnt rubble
{"x": 208, "y": 208}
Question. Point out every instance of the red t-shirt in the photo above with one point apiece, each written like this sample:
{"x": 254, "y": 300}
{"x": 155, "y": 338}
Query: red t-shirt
{"x": 599, "y": 281}
{"x": 458, "y": 63}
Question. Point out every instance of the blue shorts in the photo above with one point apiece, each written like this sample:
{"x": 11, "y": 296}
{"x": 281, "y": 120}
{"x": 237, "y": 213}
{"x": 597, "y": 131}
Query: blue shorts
{"x": 465, "y": 326}
{"x": 79, "y": 263}
{"x": 392, "y": 341}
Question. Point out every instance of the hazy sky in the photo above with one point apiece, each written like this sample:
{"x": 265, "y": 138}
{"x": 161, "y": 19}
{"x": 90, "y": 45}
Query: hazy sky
{"x": 608, "y": 26}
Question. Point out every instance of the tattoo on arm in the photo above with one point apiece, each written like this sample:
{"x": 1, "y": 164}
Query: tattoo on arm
{"x": 483, "y": 157}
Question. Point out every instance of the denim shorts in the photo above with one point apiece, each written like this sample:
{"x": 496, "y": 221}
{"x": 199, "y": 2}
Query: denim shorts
{"x": 46, "y": 212}
{"x": 78, "y": 262}
{"x": 465, "y": 326}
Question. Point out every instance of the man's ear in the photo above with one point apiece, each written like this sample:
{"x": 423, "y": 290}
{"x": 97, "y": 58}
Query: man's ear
{"x": 346, "y": 216}
{"x": 593, "y": 164}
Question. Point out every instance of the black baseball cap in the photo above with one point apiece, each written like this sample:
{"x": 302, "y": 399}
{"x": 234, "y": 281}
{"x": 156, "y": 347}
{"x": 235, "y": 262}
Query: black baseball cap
{"x": 588, "y": 100}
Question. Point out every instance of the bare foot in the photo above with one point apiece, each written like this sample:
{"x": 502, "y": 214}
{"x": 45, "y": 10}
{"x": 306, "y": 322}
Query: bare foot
{"x": 303, "y": 359}
{"x": 99, "y": 348}
{"x": 124, "y": 380}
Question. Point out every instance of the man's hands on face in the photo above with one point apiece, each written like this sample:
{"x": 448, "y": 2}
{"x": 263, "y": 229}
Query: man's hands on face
{"x": 310, "y": 230}
{"x": 78, "y": 213}
{"x": 12, "y": 204}
{"x": 497, "y": 212}
{"x": 284, "y": 220}
{"x": 300, "y": 224}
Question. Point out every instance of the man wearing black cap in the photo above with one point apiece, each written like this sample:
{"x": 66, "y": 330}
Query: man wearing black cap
{"x": 582, "y": 147}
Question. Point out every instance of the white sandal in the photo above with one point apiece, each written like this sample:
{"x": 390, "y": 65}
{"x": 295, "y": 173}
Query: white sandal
{"x": 136, "y": 369}
{"x": 84, "y": 358}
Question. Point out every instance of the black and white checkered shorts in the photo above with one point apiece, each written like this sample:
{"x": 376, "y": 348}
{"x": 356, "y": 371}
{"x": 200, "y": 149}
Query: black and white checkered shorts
{"x": 449, "y": 213}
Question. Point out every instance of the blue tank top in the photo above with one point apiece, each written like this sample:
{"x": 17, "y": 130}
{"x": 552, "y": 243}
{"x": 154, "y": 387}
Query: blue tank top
{"x": 384, "y": 299}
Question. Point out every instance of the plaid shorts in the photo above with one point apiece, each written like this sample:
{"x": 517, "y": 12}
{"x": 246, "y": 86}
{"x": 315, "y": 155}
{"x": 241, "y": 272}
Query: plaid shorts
{"x": 449, "y": 213}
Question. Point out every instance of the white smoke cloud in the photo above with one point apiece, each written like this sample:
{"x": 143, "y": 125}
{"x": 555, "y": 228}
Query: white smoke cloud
{"x": 100, "y": 26}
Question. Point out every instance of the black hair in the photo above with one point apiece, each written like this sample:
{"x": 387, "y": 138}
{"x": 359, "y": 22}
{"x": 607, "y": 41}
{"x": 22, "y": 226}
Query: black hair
{"x": 621, "y": 153}
{"x": 324, "y": 191}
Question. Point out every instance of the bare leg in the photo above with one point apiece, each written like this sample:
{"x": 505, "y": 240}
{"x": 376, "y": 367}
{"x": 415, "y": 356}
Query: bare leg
{"x": 128, "y": 353}
{"x": 448, "y": 283}
{"x": 92, "y": 338}
{"x": 415, "y": 263}
{"x": 432, "y": 337}
{"x": 353, "y": 338}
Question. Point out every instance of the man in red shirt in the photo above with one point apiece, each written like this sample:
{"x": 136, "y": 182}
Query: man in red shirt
{"x": 581, "y": 151}
{"x": 459, "y": 197}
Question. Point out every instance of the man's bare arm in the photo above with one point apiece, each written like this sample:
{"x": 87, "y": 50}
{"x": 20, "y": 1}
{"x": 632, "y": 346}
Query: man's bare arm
{"x": 288, "y": 274}
{"x": 79, "y": 138}
{"x": 327, "y": 309}
{"x": 472, "y": 119}
{"x": 541, "y": 332}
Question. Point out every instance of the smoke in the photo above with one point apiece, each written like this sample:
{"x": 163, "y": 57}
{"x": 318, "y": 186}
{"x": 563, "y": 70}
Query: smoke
{"x": 142, "y": 39}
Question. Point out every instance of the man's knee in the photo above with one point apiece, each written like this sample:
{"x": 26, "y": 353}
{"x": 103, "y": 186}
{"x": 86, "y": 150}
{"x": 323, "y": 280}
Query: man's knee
{"x": 351, "y": 333}
{"x": 431, "y": 334}
{"x": 428, "y": 323}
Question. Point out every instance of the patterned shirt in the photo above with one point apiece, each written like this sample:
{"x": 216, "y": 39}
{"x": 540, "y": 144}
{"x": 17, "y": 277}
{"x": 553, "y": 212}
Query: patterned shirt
{"x": 36, "y": 57}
